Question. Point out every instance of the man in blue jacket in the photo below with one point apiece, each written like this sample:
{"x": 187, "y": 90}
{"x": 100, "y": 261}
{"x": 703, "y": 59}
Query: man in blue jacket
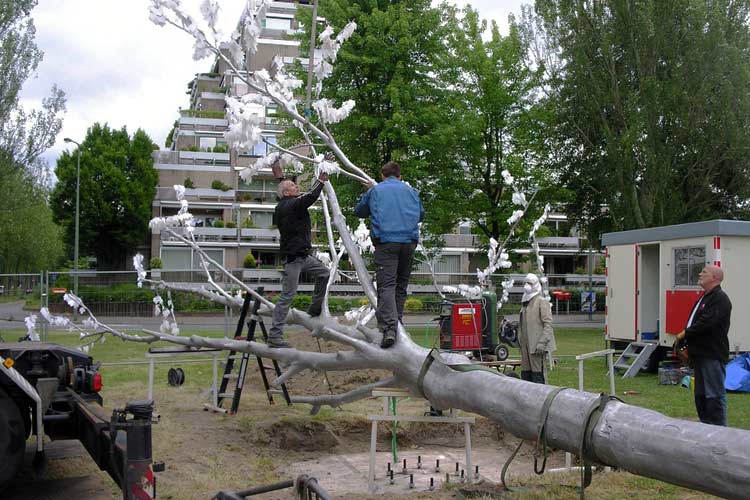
{"x": 395, "y": 212}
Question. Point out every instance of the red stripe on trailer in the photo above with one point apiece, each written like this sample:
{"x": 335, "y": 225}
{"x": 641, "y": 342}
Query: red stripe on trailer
{"x": 717, "y": 251}
{"x": 146, "y": 489}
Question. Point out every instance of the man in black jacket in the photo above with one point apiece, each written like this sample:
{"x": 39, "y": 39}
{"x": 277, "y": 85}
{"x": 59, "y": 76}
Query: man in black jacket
{"x": 293, "y": 220}
{"x": 708, "y": 346}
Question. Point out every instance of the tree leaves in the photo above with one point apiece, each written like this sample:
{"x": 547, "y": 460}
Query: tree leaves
{"x": 117, "y": 186}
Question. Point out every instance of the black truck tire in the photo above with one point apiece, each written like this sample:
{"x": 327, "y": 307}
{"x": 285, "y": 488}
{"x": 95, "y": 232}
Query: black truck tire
{"x": 12, "y": 439}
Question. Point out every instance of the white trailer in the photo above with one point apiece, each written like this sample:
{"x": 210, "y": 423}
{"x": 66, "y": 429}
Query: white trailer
{"x": 652, "y": 280}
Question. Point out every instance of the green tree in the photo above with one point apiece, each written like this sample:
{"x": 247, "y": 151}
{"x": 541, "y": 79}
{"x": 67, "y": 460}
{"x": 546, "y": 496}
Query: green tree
{"x": 653, "y": 107}
{"x": 29, "y": 239}
{"x": 118, "y": 183}
{"x": 24, "y": 136}
{"x": 499, "y": 121}
{"x": 388, "y": 68}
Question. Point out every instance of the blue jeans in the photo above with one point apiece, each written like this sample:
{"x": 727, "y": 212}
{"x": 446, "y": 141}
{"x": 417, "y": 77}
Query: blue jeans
{"x": 710, "y": 395}
{"x": 289, "y": 284}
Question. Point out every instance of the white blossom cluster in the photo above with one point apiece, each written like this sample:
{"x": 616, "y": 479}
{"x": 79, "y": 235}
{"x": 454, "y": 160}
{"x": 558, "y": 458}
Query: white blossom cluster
{"x": 166, "y": 311}
{"x": 470, "y": 292}
{"x": 362, "y": 238}
{"x": 244, "y": 117}
{"x": 328, "y": 113}
{"x": 329, "y": 49}
{"x": 507, "y": 285}
{"x": 326, "y": 166}
{"x": 138, "y": 266}
{"x": 31, "y": 327}
{"x": 182, "y": 219}
{"x": 498, "y": 258}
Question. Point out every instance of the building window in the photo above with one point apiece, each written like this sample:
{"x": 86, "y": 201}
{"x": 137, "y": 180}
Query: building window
{"x": 445, "y": 264}
{"x": 688, "y": 262}
{"x": 184, "y": 259}
{"x": 262, "y": 149}
{"x": 263, "y": 220}
{"x": 207, "y": 143}
{"x": 278, "y": 23}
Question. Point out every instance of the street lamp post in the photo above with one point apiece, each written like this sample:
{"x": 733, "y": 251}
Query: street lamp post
{"x": 78, "y": 191}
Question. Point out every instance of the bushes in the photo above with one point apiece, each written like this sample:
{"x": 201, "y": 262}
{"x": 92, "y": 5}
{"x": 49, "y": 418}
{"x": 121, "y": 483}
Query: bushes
{"x": 188, "y": 183}
{"x": 249, "y": 262}
{"x": 217, "y": 184}
{"x": 413, "y": 305}
{"x": 218, "y": 223}
{"x": 155, "y": 263}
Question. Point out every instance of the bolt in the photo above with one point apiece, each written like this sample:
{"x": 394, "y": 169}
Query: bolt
{"x": 462, "y": 476}
{"x": 432, "y": 483}
{"x": 389, "y": 467}
{"x": 391, "y": 473}
{"x": 411, "y": 480}
{"x": 456, "y": 468}
{"x": 476, "y": 472}
{"x": 404, "y": 466}
{"x": 419, "y": 461}
{"x": 447, "y": 478}
{"x": 437, "y": 465}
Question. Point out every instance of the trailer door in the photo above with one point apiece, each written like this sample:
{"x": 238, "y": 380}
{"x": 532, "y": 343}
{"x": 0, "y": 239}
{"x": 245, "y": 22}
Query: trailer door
{"x": 622, "y": 279}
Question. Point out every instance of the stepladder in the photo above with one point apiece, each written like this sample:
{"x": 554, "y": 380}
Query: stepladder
{"x": 248, "y": 316}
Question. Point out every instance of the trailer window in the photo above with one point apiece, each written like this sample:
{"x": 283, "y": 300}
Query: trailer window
{"x": 688, "y": 262}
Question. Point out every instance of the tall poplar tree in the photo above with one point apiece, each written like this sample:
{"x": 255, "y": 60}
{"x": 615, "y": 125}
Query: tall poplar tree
{"x": 653, "y": 107}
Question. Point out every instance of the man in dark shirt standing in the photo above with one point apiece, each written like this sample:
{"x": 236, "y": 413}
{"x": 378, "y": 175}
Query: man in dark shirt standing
{"x": 293, "y": 220}
{"x": 708, "y": 346}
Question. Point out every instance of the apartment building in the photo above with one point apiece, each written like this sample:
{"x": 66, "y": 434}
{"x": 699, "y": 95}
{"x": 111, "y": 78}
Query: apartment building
{"x": 235, "y": 217}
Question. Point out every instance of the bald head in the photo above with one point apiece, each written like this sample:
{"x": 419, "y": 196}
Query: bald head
{"x": 287, "y": 188}
{"x": 710, "y": 277}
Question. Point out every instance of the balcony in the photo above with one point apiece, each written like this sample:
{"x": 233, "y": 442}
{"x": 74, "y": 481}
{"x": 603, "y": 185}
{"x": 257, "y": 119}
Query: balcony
{"x": 167, "y": 193}
{"x": 204, "y": 234}
{"x": 258, "y": 235}
{"x": 210, "y": 121}
{"x": 173, "y": 159}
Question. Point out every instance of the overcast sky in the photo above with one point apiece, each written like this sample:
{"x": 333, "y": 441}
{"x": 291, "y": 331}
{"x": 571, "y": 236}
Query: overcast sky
{"x": 117, "y": 67}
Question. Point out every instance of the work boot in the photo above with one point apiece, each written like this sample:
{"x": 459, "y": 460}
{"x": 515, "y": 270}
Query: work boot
{"x": 389, "y": 338}
{"x": 314, "y": 312}
{"x": 527, "y": 375}
{"x": 277, "y": 343}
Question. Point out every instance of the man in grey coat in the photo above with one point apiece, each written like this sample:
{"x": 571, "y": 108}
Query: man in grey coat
{"x": 535, "y": 334}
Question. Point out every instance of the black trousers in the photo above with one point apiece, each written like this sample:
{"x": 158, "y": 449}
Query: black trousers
{"x": 393, "y": 263}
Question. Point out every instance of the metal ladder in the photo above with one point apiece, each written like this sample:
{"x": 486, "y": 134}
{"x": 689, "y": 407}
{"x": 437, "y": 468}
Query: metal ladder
{"x": 634, "y": 358}
{"x": 244, "y": 359}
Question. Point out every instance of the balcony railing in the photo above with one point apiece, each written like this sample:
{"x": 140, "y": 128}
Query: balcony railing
{"x": 191, "y": 158}
{"x": 247, "y": 235}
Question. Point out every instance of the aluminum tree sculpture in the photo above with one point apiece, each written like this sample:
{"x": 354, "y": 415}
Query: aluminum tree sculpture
{"x": 603, "y": 430}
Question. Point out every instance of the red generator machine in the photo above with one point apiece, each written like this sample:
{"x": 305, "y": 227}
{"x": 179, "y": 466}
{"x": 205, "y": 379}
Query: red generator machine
{"x": 474, "y": 326}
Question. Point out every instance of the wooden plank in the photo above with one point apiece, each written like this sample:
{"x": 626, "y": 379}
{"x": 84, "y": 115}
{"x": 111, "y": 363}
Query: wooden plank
{"x": 420, "y": 418}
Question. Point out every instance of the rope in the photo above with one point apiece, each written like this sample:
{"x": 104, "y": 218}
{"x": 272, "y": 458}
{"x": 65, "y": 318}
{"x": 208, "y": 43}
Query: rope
{"x": 434, "y": 356}
{"x": 541, "y": 437}
{"x": 591, "y": 420}
{"x": 507, "y": 465}
{"x": 394, "y": 429}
